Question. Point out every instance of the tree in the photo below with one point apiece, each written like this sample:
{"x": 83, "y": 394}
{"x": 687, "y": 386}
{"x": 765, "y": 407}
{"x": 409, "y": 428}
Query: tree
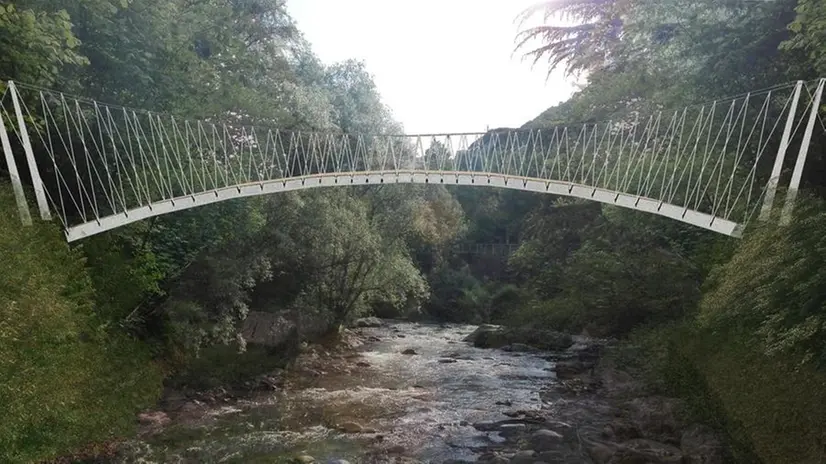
{"x": 346, "y": 262}
{"x": 37, "y": 42}
{"x": 584, "y": 45}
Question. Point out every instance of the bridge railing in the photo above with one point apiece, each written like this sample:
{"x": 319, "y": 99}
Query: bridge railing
{"x": 90, "y": 162}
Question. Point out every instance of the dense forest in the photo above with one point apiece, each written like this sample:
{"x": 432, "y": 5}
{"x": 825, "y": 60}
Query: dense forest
{"x": 91, "y": 333}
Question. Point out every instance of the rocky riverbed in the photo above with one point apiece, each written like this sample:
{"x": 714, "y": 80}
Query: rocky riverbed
{"x": 405, "y": 392}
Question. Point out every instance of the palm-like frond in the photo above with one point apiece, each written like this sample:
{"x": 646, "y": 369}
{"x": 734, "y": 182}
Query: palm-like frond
{"x": 581, "y": 46}
{"x": 567, "y": 9}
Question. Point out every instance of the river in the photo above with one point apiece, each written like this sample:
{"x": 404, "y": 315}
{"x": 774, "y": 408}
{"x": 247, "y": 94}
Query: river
{"x": 410, "y": 407}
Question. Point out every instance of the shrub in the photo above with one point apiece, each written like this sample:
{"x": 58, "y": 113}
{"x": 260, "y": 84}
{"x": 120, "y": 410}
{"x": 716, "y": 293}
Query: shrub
{"x": 64, "y": 380}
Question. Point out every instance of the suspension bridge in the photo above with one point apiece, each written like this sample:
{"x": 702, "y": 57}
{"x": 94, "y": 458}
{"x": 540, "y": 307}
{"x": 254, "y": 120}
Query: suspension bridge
{"x": 716, "y": 165}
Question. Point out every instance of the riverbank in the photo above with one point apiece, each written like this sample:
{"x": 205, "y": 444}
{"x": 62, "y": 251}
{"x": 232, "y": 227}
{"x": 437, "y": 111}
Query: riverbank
{"x": 408, "y": 392}
{"x": 595, "y": 411}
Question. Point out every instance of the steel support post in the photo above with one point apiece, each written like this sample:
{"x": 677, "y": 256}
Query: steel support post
{"x": 771, "y": 188}
{"x": 17, "y": 185}
{"x": 37, "y": 183}
{"x": 797, "y": 174}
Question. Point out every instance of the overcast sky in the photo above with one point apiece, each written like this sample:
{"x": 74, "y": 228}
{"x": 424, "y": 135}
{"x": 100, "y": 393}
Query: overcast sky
{"x": 441, "y": 65}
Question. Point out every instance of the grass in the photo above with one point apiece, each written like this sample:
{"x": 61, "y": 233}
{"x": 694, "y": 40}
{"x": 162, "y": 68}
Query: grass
{"x": 65, "y": 381}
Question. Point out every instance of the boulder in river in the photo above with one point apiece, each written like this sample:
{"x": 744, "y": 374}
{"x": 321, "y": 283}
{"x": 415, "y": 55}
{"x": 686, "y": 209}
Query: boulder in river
{"x": 368, "y": 322}
{"x": 518, "y": 348}
{"x": 493, "y": 336}
{"x": 409, "y": 351}
{"x": 351, "y": 427}
{"x": 572, "y": 368}
{"x": 545, "y": 440}
{"x": 524, "y": 457}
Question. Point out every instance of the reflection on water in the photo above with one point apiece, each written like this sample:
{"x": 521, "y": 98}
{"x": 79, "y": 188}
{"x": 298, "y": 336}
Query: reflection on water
{"x": 420, "y": 406}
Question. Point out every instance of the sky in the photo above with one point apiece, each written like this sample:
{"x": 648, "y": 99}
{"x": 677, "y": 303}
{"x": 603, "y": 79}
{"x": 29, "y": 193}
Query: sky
{"x": 440, "y": 65}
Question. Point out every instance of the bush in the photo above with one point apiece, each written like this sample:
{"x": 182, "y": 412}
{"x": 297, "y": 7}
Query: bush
{"x": 765, "y": 312}
{"x": 771, "y": 293}
{"x": 558, "y": 314}
{"x": 64, "y": 380}
{"x": 672, "y": 359}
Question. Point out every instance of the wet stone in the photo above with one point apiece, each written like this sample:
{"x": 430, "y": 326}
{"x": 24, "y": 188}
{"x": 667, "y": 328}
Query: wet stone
{"x": 524, "y": 457}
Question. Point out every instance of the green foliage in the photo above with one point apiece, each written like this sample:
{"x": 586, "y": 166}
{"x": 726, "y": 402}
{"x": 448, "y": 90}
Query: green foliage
{"x": 750, "y": 360}
{"x": 37, "y": 42}
{"x": 223, "y": 365}
{"x": 64, "y": 380}
{"x": 177, "y": 287}
{"x": 772, "y": 289}
{"x": 809, "y": 32}
{"x": 607, "y": 272}
{"x": 671, "y": 358}
{"x": 777, "y": 405}
{"x": 581, "y": 46}
{"x": 345, "y": 257}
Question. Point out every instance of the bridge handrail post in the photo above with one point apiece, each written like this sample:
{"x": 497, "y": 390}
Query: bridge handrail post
{"x": 37, "y": 182}
{"x": 774, "y": 180}
{"x": 17, "y": 185}
{"x": 797, "y": 174}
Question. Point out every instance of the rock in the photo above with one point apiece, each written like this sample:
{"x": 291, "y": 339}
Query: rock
{"x": 518, "y": 348}
{"x": 488, "y": 336}
{"x": 545, "y": 440}
{"x": 620, "y": 430}
{"x": 701, "y": 445}
{"x": 190, "y": 407}
{"x": 153, "y": 418}
{"x": 569, "y": 369}
{"x": 363, "y": 364}
{"x": 510, "y": 430}
{"x": 504, "y": 403}
{"x": 492, "y": 458}
{"x": 601, "y": 453}
{"x": 447, "y": 361}
{"x": 368, "y": 322}
{"x": 524, "y": 457}
{"x": 491, "y": 336}
{"x": 409, "y": 351}
{"x": 338, "y": 461}
{"x": 268, "y": 382}
{"x": 618, "y": 383}
{"x": 401, "y": 336}
{"x": 304, "y": 459}
{"x": 643, "y": 451}
{"x": 554, "y": 456}
{"x": 397, "y": 449}
{"x": 654, "y": 416}
{"x": 351, "y": 427}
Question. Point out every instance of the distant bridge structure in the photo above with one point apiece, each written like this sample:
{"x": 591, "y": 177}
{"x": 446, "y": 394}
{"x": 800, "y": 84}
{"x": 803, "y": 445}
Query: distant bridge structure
{"x": 717, "y": 165}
